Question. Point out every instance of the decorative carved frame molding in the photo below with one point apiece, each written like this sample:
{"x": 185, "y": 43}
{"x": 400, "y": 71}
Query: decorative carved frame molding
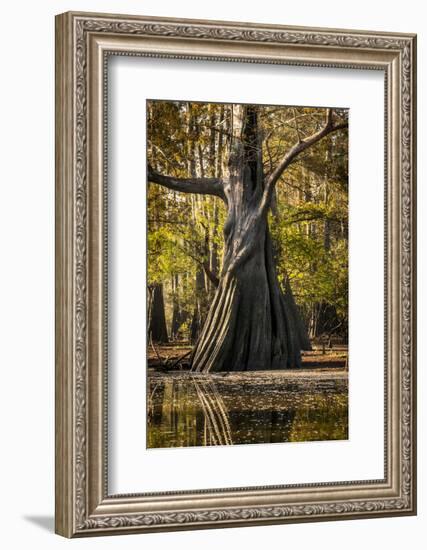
{"x": 83, "y": 43}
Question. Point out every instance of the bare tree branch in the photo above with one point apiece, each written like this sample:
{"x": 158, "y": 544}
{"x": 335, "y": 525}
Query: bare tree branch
{"x": 210, "y": 274}
{"x": 202, "y": 186}
{"x": 172, "y": 163}
{"x": 198, "y": 258}
{"x": 298, "y": 148}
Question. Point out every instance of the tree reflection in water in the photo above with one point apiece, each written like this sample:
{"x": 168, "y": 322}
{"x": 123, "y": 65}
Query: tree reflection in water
{"x": 200, "y": 410}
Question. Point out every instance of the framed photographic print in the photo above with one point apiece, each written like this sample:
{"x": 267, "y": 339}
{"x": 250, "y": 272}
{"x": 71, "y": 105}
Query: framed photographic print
{"x": 235, "y": 274}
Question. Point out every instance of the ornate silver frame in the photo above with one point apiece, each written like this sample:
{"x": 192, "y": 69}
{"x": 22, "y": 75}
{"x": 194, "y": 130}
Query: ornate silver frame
{"x": 83, "y": 42}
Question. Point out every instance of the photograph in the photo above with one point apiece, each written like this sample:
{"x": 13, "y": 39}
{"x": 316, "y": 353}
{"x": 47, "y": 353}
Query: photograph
{"x": 235, "y": 271}
{"x": 247, "y": 273}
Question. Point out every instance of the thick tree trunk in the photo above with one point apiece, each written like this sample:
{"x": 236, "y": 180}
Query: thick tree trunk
{"x": 250, "y": 325}
{"x": 157, "y": 329}
{"x": 179, "y": 316}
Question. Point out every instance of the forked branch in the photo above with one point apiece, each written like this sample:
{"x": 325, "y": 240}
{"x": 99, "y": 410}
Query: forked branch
{"x": 293, "y": 153}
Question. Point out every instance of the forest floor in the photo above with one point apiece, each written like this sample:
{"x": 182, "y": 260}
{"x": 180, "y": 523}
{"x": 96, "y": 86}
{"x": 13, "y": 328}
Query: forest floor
{"x": 175, "y": 357}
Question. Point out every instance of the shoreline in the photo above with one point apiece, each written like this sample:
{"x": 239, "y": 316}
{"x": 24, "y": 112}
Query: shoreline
{"x": 324, "y": 373}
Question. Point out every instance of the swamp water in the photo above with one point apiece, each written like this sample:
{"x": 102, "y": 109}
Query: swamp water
{"x": 185, "y": 410}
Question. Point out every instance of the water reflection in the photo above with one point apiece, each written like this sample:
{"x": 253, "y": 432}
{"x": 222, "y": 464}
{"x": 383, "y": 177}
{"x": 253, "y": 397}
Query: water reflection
{"x": 197, "y": 410}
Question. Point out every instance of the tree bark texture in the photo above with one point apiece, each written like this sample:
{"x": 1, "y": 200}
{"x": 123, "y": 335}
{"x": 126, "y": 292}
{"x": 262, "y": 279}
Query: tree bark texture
{"x": 250, "y": 325}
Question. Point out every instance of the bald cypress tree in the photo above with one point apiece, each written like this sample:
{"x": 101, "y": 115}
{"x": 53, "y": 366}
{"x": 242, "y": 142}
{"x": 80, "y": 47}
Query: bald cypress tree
{"x": 251, "y": 323}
